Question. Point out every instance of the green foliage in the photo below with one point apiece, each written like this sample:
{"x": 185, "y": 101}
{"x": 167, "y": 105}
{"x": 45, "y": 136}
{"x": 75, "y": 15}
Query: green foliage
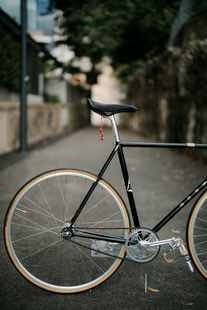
{"x": 47, "y": 66}
{"x": 125, "y": 30}
{"x": 10, "y": 61}
{"x": 48, "y": 98}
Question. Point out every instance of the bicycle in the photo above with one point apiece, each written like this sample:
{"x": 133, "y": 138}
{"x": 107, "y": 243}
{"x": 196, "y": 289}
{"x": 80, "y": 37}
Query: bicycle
{"x": 68, "y": 230}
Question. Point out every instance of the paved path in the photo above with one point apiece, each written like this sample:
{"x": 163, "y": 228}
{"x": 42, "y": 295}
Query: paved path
{"x": 160, "y": 180}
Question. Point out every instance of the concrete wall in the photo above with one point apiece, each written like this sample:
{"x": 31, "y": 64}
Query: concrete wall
{"x": 171, "y": 95}
{"x": 7, "y": 96}
{"x": 43, "y": 121}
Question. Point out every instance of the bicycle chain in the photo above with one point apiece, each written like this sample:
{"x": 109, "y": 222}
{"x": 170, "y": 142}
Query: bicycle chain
{"x": 107, "y": 254}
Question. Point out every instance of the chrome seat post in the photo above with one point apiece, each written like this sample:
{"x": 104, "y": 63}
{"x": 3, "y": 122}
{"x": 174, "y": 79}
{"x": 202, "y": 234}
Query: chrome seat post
{"x": 115, "y": 129}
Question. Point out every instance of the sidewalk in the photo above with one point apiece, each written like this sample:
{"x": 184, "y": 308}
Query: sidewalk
{"x": 160, "y": 179}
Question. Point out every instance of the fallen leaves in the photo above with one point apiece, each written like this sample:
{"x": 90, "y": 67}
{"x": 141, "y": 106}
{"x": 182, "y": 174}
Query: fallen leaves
{"x": 178, "y": 174}
{"x": 152, "y": 289}
{"x": 187, "y": 303}
{"x": 175, "y": 231}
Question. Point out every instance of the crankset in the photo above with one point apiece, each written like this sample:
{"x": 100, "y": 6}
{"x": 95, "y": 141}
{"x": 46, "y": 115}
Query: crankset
{"x": 142, "y": 245}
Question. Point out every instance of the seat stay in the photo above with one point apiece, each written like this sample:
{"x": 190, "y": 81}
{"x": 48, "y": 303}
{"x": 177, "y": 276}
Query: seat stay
{"x": 93, "y": 186}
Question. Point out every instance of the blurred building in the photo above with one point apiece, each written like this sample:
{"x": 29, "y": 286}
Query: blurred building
{"x": 36, "y": 53}
{"x": 40, "y": 19}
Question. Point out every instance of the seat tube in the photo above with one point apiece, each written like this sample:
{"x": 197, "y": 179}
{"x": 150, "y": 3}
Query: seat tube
{"x": 128, "y": 187}
{"x": 125, "y": 173}
{"x": 115, "y": 129}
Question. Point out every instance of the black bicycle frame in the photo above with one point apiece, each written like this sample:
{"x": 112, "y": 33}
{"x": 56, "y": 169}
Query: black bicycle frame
{"x": 119, "y": 148}
{"x": 188, "y": 198}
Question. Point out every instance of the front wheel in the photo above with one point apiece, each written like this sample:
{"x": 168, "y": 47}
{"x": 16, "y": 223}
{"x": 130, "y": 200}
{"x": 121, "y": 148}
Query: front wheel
{"x": 36, "y": 217}
{"x": 196, "y": 234}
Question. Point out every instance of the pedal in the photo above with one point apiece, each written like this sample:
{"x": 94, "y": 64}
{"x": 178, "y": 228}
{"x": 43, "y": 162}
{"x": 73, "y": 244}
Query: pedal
{"x": 169, "y": 261}
{"x": 188, "y": 261}
{"x": 184, "y": 253}
{"x": 178, "y": 243}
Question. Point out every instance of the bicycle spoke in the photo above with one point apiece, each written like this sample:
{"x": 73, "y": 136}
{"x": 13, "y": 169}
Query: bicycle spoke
{"x": 48, "y": 205}
{"x": 32, "y": 210}
{"x": 37, "y": 231}
{"x": 61, "y": 194}
{"x": 105, "y": 220}
{"x": 202, "y": 220}
{"x": 31, "y": 236}
{"x": 95, "y": 206}
{"x": 197, "y": 234}
{"x": 92, "y": 261}
{"x": 200, "y": 228}
{"x": 200, "y": 243}
{"x": 200, "y": 235}
{"x": 83, "y": 265}
{"x": 199, "y": 254}
{"x": 71, "y": 196}
{"x": 40, "y": 250}
{"x": 35, "y": 223}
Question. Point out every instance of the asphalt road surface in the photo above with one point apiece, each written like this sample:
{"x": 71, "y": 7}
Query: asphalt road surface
{"x": 160, "y": 179}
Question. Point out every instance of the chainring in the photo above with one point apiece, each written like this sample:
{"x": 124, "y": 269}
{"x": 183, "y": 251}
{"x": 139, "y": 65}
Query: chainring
{"x": 138, "y": 245}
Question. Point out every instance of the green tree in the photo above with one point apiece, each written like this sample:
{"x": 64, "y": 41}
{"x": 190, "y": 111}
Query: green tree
{"x": 10, "y": 61}
{"x": 125, "y": 30}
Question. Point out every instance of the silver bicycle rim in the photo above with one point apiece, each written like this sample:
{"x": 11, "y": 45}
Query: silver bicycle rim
{"x": 18, "y": 211}
{"x": 198, "y": 235}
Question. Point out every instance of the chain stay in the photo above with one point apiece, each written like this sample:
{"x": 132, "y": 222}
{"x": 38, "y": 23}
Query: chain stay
{"x": 186, "y": 256}
{"x": 103, "y": 228}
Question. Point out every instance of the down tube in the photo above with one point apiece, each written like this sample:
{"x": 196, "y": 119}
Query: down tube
{"x": 128, "y": 186}
{"x": 181, "y": 205}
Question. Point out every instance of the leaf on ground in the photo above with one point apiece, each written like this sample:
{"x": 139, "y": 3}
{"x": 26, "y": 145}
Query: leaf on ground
{"x": 175, "y": 231}
{"x": 133, "y": 168}
{"x": 187, "y": 303}
{"x": 153, "y": 290}
{"x": 178, "y": 177}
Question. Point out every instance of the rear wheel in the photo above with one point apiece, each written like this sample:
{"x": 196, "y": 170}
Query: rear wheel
{"x": 36, "y": 217}
{"x": 197, "y": 234}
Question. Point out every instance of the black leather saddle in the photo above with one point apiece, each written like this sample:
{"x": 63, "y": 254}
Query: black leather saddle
{"x": 110, "y": 109}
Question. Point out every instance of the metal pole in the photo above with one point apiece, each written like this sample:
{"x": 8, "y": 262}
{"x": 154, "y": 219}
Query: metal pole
{"x": 23, "y": 119}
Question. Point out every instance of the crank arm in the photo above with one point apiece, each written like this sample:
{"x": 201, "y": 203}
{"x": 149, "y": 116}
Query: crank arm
{"x": 171, "y": 242}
